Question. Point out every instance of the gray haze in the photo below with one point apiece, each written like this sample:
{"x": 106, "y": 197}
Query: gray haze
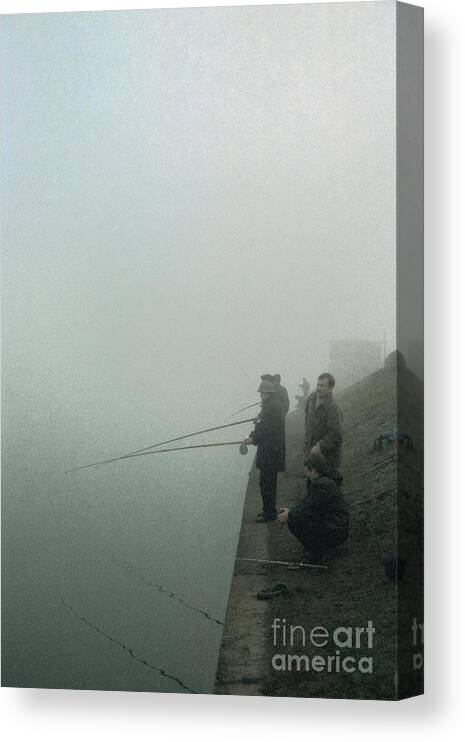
{"x": 190, "y": 198}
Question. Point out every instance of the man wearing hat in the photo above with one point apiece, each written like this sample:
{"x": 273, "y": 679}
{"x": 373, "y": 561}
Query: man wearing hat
{"x": 281, "y": 392}
{"x": 269, "y": 437}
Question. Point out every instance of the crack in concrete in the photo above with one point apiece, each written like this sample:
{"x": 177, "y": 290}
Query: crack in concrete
{"x": 161, "y": 589}
{"x": 123, "y": 646}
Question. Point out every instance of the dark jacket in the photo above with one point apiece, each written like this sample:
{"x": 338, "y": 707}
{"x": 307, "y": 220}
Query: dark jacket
{"x": 269, "y": 436}
{"x": 283, "y": 397}
{"x": 324, "y": 507}
{"x": 323, "y": 425}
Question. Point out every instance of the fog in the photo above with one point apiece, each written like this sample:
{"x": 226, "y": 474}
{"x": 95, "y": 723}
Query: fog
{"x": 190, "y": 198}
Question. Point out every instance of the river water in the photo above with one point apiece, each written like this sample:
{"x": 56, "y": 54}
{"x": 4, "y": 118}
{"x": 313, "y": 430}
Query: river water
{"x": 116, "y": 577}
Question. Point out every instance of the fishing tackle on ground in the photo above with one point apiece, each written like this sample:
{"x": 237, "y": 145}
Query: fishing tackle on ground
{"x": 290, "y": 565}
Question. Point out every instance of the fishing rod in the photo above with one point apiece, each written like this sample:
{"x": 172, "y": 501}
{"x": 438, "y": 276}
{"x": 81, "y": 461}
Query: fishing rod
{"x": 291, "y": 565}
{"x": 242, "y": 448}
{"x": 255, "y": 404}
{"x": 248, "y": 375}
{"x": 157, "y": 445}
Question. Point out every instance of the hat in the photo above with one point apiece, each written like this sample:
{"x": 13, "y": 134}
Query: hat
{"x": 266, "y": 387}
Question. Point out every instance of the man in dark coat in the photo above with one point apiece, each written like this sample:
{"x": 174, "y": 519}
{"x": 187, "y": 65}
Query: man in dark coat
{"x": 323, "y": 422}
{"x": 321, "y": 520}
{"x": 269, "y": 437}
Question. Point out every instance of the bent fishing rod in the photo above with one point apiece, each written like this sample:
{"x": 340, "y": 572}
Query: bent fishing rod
{"x": 242, "y": 448}
{"x": 157, "y": 445}
{"x": 255, "y": 404}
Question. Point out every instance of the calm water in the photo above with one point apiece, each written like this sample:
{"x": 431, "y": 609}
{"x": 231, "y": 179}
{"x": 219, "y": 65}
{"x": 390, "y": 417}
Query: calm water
{"x": 116, "y": 577}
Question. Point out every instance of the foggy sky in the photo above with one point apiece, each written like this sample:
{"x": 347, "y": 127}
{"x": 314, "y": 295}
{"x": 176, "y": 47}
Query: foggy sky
{"x": 190, "y": 197}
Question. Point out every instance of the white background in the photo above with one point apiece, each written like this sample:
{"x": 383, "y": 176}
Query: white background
{"x": 51, "y": 715}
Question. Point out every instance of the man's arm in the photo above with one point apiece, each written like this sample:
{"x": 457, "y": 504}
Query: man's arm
{"x": 308, "y": 509}
{"x": 264, "y": 427}
{"x": 333, "y": 438}
{"x": 283, "y": 516}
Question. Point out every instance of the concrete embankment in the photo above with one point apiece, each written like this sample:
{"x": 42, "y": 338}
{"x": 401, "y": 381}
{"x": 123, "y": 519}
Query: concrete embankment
{"x": 352, "y": 590}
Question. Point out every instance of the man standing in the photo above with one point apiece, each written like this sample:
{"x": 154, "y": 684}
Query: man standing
{"x": 323, "y": 422}
{"x": 269, "y": 437}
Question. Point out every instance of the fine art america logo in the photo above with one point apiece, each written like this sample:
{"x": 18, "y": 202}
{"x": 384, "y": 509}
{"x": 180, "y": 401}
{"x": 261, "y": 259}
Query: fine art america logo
{"x": 340, "y": 641}
{"x": 417, "y": 641}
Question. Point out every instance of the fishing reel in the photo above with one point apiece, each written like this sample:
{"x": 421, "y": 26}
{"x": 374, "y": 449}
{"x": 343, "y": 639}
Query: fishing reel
{"x": 243, "y": 450}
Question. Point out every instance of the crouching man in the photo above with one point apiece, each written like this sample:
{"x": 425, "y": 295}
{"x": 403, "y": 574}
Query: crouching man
{"x": 321, "y": 520}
